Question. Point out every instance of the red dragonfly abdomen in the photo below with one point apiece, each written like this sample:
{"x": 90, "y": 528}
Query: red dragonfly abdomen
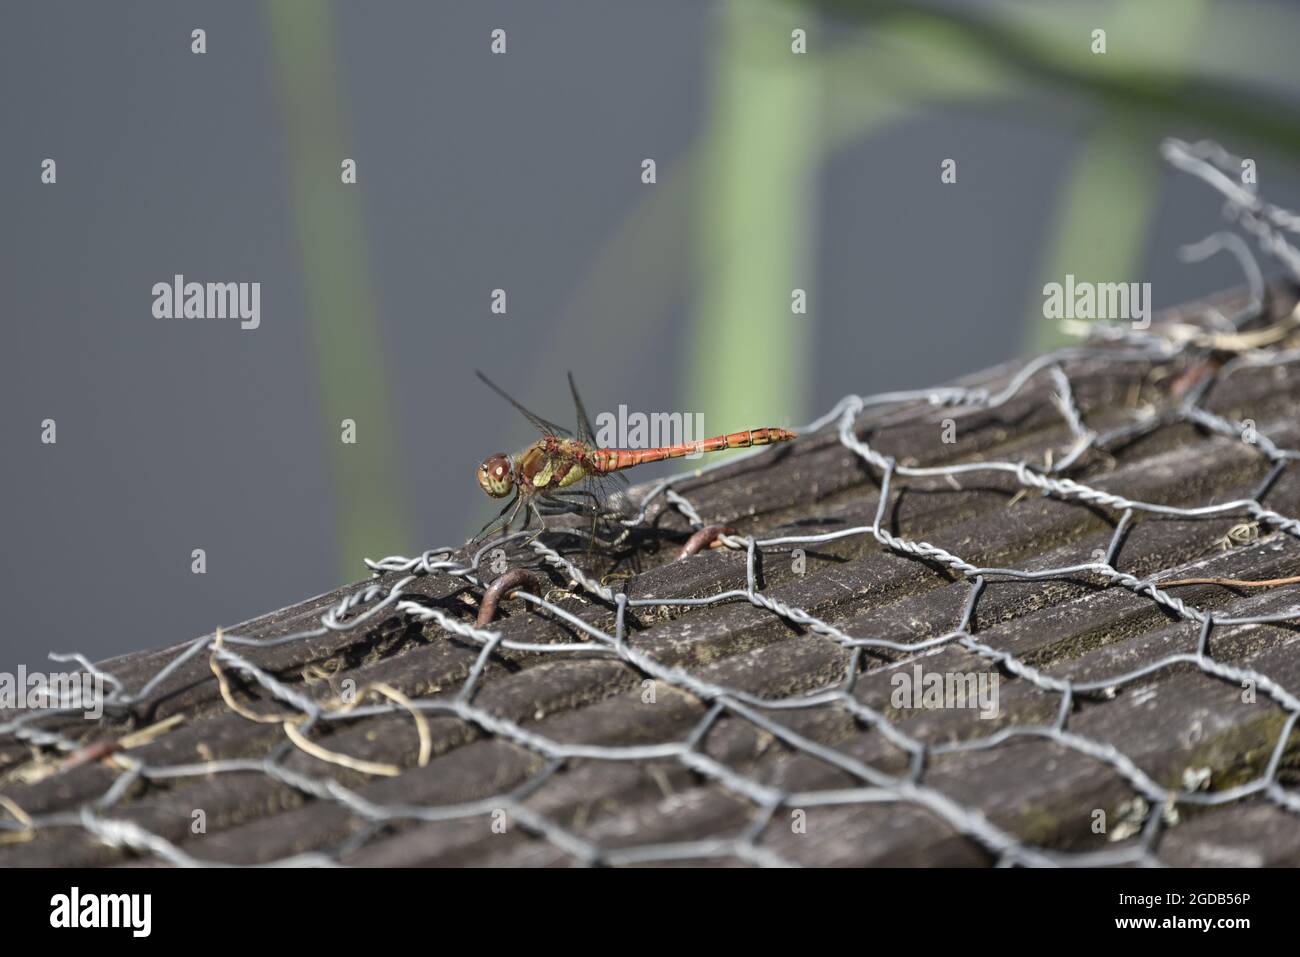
{"x": 613, "y": 460}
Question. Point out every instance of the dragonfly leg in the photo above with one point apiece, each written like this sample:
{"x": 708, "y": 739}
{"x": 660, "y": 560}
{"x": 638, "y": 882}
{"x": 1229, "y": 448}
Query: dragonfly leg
{"x": 528, "y": 519}
{"x": 541, "y": 520}
{"x": 513, "y": 512}
{"x": 485, "y": 531}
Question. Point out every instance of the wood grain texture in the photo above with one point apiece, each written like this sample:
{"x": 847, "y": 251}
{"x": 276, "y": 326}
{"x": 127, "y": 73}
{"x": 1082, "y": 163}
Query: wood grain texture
{"x": 1175, "y": 725}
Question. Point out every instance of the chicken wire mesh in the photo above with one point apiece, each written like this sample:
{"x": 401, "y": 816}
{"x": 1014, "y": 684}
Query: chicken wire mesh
{"x": 1210, "y": 351}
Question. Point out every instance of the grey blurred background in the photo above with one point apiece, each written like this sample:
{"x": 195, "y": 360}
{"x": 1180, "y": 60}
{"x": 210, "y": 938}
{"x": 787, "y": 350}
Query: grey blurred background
{"x": 522, "y": 171}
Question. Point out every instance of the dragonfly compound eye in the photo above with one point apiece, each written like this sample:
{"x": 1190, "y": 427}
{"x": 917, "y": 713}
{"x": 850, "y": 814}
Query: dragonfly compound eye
{"x": 495, "y": 477}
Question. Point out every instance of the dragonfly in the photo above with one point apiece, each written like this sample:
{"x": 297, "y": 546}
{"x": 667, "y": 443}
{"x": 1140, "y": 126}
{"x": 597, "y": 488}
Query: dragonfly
{"x": 564, "y": 472}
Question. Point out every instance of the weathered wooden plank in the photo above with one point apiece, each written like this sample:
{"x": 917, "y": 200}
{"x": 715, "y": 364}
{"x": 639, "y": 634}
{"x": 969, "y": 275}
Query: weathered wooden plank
{"x": 1035, "y": 788}
{"x": 1251, "y": 834}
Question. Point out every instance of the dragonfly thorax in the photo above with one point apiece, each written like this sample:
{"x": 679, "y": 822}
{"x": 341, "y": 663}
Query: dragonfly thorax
{"x": 496, "y": 475}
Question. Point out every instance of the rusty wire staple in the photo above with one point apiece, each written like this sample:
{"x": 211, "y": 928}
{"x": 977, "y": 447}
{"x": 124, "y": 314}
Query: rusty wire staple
{"x": 708, "y": 537}
{"x": 504, "y": 587}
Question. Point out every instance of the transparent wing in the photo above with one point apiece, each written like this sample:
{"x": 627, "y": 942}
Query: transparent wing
{"x": 585, "y": 432}
{"x": 540, "y": 424}
{"x": 607, "y": 487}
{"x": 597, "y": 500}
{"x": 609, "y": 481}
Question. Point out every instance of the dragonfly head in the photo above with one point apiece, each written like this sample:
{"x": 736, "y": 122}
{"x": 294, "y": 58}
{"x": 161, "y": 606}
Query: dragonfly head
{"x": 496, "y": 476}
